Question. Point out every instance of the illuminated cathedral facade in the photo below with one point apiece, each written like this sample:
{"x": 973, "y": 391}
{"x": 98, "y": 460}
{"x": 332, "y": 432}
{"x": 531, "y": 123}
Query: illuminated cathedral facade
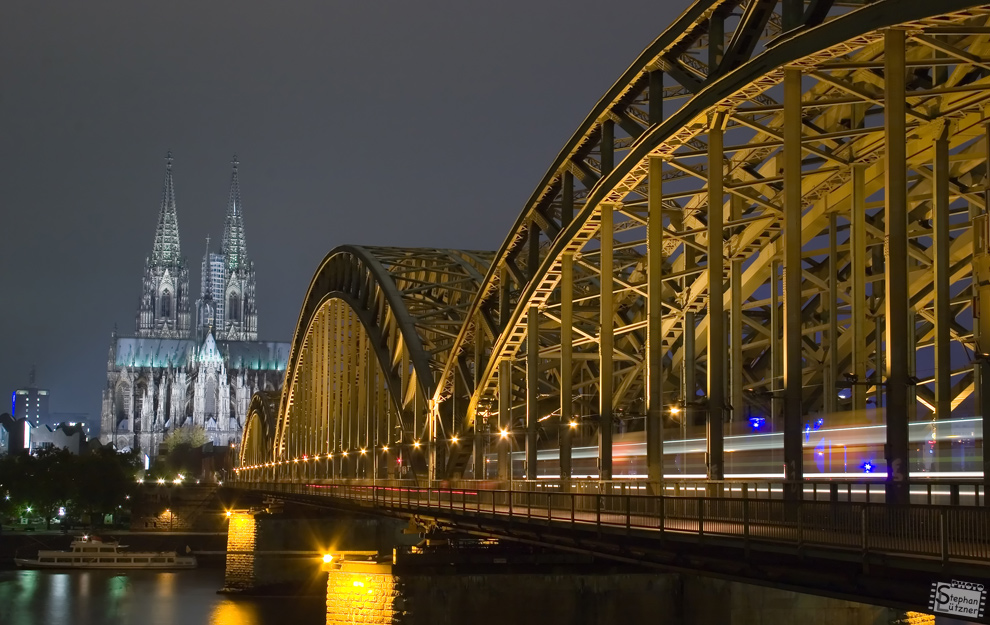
{"x": 190, "y": 364}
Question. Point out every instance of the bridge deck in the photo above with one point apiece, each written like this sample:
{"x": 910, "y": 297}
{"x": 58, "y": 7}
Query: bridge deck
{"x": 940, "y": 534}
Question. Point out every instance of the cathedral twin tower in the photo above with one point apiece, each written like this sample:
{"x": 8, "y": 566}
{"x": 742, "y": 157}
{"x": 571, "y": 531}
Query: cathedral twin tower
{"x": 188, "y": 366}
{"x": 227, "y": 305}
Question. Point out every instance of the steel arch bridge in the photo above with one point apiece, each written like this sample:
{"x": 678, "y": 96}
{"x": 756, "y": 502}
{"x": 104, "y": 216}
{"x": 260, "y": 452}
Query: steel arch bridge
{"x": 775, "y": 218}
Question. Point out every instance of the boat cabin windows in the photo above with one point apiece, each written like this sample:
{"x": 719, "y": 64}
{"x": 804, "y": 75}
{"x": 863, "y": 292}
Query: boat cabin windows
{"x": 124, "y": 560}
{"x": 140, "y": 559}
{"x": 107, "y": 549}
{"x": 46, "y": 559}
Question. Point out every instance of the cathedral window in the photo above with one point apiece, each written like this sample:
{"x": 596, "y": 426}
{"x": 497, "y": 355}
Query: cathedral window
{"x": 166, "y": 303}
{"x": 233, "y": 308}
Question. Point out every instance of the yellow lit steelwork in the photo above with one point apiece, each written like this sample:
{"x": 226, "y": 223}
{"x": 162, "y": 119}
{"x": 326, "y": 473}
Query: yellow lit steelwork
{"x": 644, "y": 278}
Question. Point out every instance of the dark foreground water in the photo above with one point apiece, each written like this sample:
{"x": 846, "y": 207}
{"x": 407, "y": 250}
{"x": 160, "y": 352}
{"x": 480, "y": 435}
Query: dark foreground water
{"x": 141, "y": 598}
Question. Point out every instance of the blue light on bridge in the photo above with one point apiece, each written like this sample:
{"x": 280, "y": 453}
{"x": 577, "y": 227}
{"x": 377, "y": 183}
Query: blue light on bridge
{"x": 757, "y": 422}
{"x": 867, "y": 467}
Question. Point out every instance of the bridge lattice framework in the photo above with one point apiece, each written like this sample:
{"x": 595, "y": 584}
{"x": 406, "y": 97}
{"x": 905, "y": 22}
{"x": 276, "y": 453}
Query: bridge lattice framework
{"x": 776, "y": 196}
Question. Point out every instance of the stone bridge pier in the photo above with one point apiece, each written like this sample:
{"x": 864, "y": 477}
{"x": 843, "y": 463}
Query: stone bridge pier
{"x": 276, "y": 551}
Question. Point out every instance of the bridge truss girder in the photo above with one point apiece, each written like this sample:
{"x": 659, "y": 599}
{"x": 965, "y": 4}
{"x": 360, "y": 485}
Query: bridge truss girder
{"x": 648, "y": 173}
{"x": 831, "y": 155}
{"x": 375, "y": 329}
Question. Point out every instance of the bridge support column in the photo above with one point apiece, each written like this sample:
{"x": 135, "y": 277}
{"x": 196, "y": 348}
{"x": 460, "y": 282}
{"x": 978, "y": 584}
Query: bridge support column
{"x": 689, "y": 380}
{"x": 605, "y": 348}
{"x": 481, "y": 425}
{"x": 566, "y": 364}
{"x": 857, "y": 255}
{"x": 776, "y": 348}
{"x": 532, "y": 388}
{"x": 896, "y": 301}
{"x": 716, "y": 303}
{"x": 792, "y": 235}
{"x": 942, "y": 296}
{"x": 505, "y": 420}
{"x": 981, "y": 315}
{"x": 736, "y": 398}
{"x": 831, "y": 377}
{"x": 654, "y": 329}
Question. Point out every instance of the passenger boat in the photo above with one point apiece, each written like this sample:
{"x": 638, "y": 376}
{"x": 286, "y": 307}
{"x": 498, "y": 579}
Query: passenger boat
{"x": 90, "y": 552}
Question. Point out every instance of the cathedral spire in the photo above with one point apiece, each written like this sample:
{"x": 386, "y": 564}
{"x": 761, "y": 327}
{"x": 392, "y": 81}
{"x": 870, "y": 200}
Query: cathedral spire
{"x": 166, "y": 251}
{"x": 234, "y": 246}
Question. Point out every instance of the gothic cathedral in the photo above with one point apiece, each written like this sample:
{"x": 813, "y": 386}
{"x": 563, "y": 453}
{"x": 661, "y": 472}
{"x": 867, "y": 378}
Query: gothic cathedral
{"x": 190, "y": 365}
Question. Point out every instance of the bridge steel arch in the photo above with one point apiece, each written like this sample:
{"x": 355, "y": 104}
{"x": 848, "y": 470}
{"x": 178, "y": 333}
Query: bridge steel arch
{"x": 259, "y": 429}
{"x": 374, "y": 331}
{"x": 827, "y": 177}
{"x": 782, "y": 197}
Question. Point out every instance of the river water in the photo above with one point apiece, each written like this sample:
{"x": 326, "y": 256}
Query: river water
{"x": 190, "y": 598}
{"x": 142, "y": 598}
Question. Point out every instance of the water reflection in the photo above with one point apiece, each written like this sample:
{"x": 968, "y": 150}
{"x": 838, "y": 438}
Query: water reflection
{"x": 230, "y": 611}
{"x": 141, "y": 598}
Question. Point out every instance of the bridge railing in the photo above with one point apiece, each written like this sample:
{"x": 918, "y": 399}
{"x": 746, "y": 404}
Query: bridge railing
{"x": 923, "y": 492}
{"x": 941, "y": 533}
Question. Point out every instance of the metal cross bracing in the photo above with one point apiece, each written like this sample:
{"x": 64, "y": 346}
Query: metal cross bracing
{"x": 832, "y": 156}
{"x": 375, "y": 328}
{"x": 792, "y": 134}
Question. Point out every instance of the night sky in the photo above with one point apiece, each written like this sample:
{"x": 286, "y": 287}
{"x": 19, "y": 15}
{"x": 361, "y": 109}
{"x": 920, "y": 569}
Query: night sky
{"x": 404, "y": 123}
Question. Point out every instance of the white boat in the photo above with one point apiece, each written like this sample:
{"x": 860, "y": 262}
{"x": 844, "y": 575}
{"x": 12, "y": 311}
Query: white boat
{"x": 90, "y": 552}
